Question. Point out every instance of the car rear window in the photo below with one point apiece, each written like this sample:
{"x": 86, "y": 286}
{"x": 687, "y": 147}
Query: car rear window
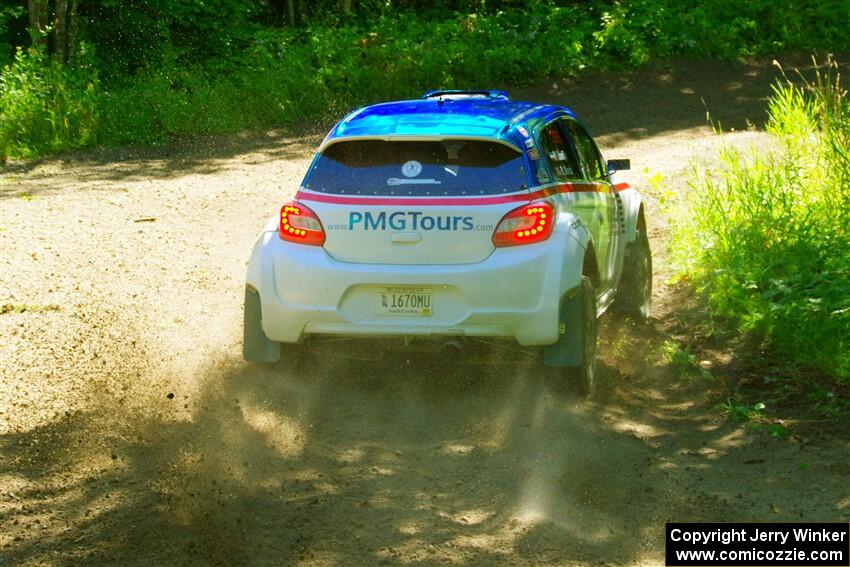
{"x": 417, "y": 168}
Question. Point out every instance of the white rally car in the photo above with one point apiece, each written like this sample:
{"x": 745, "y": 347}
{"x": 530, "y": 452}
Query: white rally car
{"x": 463, "y": 214}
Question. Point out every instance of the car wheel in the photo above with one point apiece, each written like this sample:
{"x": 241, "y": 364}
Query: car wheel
{"x": 583, "y": 378}
{"x": 634, "y": 296}
{"x": 571, "y": 363}
{"x": 256, "y": 346}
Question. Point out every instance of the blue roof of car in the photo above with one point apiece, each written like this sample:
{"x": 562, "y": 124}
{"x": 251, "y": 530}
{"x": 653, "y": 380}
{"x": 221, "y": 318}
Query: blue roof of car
{"x": 456, "y": 114}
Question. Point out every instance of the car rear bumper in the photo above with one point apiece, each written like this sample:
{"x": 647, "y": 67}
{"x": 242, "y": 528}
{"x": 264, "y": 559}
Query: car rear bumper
{"x": 515, "y": 292}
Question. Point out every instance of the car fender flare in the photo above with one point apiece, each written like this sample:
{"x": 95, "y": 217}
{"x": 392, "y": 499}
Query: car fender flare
{"x": 254, "y": 269}
{"x": 570, "y": 224}
{"x": 632, "y": 207}
{"x": 577, "y": 241}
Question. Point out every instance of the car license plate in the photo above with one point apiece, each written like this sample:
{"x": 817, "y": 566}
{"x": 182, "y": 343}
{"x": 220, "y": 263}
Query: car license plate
{"x": 405, "y": 302}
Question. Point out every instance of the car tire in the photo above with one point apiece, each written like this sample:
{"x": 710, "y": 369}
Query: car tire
{"x": 582, "y": 379}
{"x": 577, "y": 370}
{"x": 634, "y": 296}
{"x": 256, "y": 346}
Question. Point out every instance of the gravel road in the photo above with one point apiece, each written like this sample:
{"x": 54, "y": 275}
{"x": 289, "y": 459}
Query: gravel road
{"x": 132, "y": 433}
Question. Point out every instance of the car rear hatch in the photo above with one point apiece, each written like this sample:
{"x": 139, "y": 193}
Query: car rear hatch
{"x": 414, "y": 201}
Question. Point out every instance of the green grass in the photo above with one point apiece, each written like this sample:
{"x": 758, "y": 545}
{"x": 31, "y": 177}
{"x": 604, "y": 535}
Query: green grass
{"x": 766, "y": 235}
{"x": 46, "y": 107}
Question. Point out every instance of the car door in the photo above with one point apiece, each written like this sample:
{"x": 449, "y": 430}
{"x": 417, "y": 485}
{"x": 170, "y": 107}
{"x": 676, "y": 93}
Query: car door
{"x": 573, "y": 194}
{"x": 594, "y": 171}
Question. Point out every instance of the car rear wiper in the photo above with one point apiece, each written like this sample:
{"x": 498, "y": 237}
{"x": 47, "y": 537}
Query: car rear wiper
{"x": 399, "y": 181}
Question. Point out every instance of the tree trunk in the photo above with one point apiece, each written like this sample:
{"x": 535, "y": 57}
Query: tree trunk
{"x": 38, "y": 19}
{"x": 59, "y": 17}
{"x": 60, "y": 30}
{"x": 72, "y": 33}
{"x": 290, "y": 6}
{"x": 345, "y": 6}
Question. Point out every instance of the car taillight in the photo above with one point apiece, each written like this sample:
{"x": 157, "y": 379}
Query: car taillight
{"x": 525, "y": 225}
{"x": 300, "y": 224}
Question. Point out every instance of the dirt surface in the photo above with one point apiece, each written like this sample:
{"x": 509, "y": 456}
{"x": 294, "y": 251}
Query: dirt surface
{"x": 132, "y": 433}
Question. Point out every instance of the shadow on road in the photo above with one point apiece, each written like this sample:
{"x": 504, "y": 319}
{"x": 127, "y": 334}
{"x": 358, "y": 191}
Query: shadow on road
{"x": 664, "y": 97}
{"x": 103, "y": 167}
{"x": 676, "y": 95}
{"x": 331, "y": 461}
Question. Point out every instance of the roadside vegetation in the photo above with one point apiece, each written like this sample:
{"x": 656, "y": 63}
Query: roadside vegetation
{"x": 115, "y": 73}
{"x": 765, "y": 236}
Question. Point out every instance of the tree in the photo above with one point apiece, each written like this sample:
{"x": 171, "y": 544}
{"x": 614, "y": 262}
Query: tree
{"x": 38, "y": 20}
{"x": 55, "y": 27}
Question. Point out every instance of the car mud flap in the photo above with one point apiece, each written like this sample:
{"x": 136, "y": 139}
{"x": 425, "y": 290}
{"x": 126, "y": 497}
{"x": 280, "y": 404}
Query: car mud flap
{"x": 567, "y": 351}
{"x": 256, "y": 346}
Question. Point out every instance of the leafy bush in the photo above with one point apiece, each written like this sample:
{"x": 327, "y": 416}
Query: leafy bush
{"x": 767, "y": 236}
{"x": 132, "y": 35}
{"x": 46, "y": 106}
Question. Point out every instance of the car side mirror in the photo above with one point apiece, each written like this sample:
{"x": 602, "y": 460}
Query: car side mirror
{"x": 619, "y": 165}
